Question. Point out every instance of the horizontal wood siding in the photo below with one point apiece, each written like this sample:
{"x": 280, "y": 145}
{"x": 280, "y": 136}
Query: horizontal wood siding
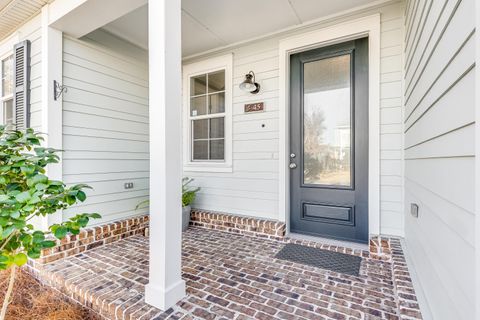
{"x": 105, "y": 124}
{"x": 439, "y": 152}
{"x": 252, "y": 188}
{"x": 33, "y": 32}
{"x": 391, "y": 128}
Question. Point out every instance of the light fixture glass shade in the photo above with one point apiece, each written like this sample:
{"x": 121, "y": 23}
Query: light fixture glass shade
{"x": 249, "y": 84}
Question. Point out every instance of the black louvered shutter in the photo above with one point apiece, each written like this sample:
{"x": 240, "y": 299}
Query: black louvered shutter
{"x": 21, "y": 78}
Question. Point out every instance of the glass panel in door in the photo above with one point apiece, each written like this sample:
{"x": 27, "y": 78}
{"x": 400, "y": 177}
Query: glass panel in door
{"x": 327, "y": 119}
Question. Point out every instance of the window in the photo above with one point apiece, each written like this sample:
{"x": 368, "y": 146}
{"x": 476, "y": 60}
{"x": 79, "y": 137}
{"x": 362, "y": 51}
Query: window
{"x": 207, "y": 110}
{"x": 207, "y": 116}
{"x": 6, "y": 93}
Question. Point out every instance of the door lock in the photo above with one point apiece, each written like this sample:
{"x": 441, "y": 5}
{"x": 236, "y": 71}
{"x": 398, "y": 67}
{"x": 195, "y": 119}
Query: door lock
{"x": 292, "y": 155}
{"x": 292, "y": 165}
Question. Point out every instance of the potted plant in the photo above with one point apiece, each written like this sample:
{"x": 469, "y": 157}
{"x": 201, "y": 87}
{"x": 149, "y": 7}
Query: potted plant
{"x": 188, "y": 196}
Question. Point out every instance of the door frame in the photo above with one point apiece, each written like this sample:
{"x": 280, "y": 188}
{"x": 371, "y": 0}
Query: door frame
{"x": 341, "y": 32}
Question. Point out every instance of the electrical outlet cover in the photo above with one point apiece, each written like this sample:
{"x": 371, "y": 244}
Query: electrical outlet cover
{"x": 414, "y": 210}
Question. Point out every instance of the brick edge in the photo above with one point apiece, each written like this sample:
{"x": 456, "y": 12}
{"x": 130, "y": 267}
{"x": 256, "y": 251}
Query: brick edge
{"x": 242, "y": 225}
{"x": 89, "y": 238}
{"x": 93, "y": 237}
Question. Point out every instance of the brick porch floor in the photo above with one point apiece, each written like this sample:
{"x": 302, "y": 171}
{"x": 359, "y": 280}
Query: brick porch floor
{"x": 232, "y": 276}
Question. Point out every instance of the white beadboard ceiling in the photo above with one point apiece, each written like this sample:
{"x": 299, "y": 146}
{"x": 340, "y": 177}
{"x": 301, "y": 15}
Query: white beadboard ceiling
{"x": 14, "y": 13}
{"x": 208, "y": 24}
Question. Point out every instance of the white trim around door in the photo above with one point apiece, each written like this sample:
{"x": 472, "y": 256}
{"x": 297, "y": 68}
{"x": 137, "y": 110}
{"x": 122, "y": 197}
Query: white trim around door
{"x": 353, "y": 29}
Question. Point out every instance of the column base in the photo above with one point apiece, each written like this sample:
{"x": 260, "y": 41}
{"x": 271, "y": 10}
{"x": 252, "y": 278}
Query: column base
{"x": 164, "y": 298}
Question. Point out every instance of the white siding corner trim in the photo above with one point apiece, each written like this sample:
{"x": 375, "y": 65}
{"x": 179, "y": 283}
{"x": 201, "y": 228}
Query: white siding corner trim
{"x": 353, "y": 29}
{"x": 52, "y": 120}
{"x": 205, "y": 66}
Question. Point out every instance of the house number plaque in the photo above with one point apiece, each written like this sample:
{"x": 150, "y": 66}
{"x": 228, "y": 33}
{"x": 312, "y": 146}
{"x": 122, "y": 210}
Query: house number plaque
{"x": 254, "y": 107}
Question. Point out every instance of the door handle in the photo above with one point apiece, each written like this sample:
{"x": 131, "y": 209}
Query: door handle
{"x": 292, "y": 165}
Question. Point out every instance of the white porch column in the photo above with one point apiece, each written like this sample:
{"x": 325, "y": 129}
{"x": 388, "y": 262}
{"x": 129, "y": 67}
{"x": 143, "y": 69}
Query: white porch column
{"x": 52, "y": 56}
{"x": 166, "y": 286}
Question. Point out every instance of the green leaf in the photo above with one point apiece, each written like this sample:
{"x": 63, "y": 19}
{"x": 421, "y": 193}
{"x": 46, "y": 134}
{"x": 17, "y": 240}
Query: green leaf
{"x": 19, "y": 224}
{"x": 15, "y": 214}
{"x": 74, "y": 230}
{"x": 23, "y": 197}
{"x": 20, "y": 259}
{"x": 27, "y": 170}
{"x": 81, "y": 196}
{"x": 60, "y": 232}
{"x": 39, "y": 151}
{"x": 35, "y": 199}
{"x": 48, "y": 244}
{"x": 4, "y": 198}
{"x": 38, "y": 236}
{"x": 83, "y": 221}
{"x": 3, "y": 221}
{"x": 34, "y": 254}
{"x": 81, "y": 186}
{"x": 70, "y": 200}
{"x": 41, "y": 186}
{"x": 38, "y": 178}
{"x": 54, "y": 227}
{"x": 7, "y": 231}
{"x": 95, "y": 216}
{"x": 29, "y": 208}
{"x": 26, "y": 239}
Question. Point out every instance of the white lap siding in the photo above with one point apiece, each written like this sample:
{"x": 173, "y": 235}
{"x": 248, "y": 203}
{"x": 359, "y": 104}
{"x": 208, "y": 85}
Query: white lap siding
{"x": 32, "y": 31}
{"x": 105, "y": 123}
{"x": 252, "y": 188}
{"x": 440, "y": 153}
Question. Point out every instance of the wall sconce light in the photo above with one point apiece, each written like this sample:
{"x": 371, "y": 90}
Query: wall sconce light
{"x": 249, "y": 84}
{"x": 58, "y": 90}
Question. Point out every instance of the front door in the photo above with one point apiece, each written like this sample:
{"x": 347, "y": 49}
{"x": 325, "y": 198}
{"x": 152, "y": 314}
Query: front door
{"x": 329, "y": 141}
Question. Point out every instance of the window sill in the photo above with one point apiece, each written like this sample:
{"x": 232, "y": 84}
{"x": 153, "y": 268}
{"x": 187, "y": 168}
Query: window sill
{"x": 207, "y": 167}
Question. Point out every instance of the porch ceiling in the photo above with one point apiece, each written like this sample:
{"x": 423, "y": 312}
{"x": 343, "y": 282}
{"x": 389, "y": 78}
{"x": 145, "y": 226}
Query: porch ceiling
{"x": 210, "y": 24}
{"x": 13, "y": 13}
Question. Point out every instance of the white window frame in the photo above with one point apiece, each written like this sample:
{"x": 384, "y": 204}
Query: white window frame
{"x": 190, "y": 70}
{"x": 2, "y": 97}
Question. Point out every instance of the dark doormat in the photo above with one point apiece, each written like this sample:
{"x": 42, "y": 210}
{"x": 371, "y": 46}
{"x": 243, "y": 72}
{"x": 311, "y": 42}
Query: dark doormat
{"x": 324, "y": 259}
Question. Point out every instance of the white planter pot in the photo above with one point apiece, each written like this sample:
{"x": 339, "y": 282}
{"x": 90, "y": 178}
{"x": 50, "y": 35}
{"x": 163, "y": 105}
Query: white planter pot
{"x": 186, "y": 217}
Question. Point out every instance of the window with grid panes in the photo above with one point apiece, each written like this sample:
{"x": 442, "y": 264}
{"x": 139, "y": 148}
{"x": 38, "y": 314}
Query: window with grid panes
{"x": 6, "y": 93}
{"x": 207, "y": 116}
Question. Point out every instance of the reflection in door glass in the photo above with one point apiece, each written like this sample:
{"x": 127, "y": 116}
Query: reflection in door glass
{"x": 327, "y": 121}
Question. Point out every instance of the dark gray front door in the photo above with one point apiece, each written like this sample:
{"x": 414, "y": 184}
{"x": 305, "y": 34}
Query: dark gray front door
{"x": 329, "y": 141}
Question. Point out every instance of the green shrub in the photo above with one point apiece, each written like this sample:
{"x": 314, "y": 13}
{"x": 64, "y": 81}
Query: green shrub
{"x": 26, "y": 192}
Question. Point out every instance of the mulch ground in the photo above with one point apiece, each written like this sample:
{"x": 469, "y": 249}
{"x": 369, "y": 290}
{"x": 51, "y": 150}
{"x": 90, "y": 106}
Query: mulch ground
{"x": 32, "y": 300}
